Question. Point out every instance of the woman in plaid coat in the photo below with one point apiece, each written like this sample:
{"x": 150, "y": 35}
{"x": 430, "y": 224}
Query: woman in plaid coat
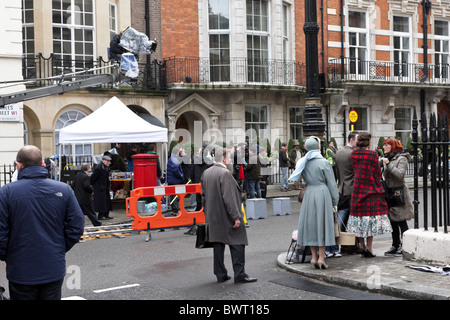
{"x": 368, "y": 211}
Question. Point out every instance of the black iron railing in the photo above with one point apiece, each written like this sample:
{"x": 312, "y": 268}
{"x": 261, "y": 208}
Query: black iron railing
{"x": 235, "y": 71}
{"x": 42, "y": 71}
{"x": 6, "y": 173}
{"x": 434, "y": 143}
{"x": 352, "y": 69}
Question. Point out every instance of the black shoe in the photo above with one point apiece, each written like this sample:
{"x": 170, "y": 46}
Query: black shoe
{"x": 247, "y": 280}
{"x": 368, "y": 254}
{"x": 391, "y": 252}
{"x": 109, "y": 218}
{"x": 224, "y": 279}
{"x": 102, "y": 218}
{"x": 98, "y": 224}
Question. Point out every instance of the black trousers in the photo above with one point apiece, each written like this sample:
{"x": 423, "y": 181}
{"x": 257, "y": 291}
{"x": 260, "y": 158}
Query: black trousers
{"x": 46, "y": 291}
{"x": 237, "y": 258}
{"x": 88, "y": 210}
{"x": 398, "y": 228}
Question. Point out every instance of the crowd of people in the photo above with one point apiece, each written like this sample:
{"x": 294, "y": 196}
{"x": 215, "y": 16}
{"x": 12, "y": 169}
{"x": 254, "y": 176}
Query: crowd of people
{"x": 351, "y": 186}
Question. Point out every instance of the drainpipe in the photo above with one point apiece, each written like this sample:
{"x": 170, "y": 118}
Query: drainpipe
{"x": 342, "y": 63}
{"x": 323, "y": 45}
{"x": 342, "y": 39}
{"x": 147, "y": 32}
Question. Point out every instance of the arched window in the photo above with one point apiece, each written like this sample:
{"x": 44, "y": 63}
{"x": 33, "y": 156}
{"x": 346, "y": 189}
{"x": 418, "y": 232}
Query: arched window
{"x": 83, "y": 152}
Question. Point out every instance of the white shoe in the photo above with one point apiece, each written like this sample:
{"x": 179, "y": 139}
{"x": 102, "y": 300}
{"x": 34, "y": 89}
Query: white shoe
{"x": 337, "y": 254}
{"x": 329, "y": 254}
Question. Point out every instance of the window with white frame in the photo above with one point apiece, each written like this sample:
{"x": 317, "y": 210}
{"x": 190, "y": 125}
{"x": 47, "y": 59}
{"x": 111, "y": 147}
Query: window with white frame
{"x": 402, "y": 45}
{"x": 362, "y": 124}
{"x": 28, "y": 39}
{"x": 112, "y": 20}
{"x": 441, "y": 48}
{"x": 357, "y": 41}
{"x": 296, "y": 122}
{"x": 219, "y": 40}
{"x": 403, "y": 119}
{"x": 73, "y": 34}
{"x": 83, "y": 151}
{"x": 286, "y": 31}
{"x": 256, "y": 118}
{"x": 257, "y": 40}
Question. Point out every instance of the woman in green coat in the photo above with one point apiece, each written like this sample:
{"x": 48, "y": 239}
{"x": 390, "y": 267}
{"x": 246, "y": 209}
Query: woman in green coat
{"x": 316, "y": 223}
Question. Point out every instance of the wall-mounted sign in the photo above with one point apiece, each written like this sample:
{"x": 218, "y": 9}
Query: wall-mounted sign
{"x": 11, "y": 112}
{"x": 353, "y": 116}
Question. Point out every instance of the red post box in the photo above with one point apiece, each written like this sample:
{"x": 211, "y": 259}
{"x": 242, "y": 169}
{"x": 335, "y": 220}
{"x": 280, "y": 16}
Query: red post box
{"x": 144, "y": 170}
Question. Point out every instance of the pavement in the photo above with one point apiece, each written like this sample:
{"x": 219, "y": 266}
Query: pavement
{"x": 391, "y": 276}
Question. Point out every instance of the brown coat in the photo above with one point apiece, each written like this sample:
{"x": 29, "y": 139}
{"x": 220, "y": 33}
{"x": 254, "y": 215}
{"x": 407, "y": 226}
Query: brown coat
{"x": 222, "y": 206}
{"x": 394, "y": 174}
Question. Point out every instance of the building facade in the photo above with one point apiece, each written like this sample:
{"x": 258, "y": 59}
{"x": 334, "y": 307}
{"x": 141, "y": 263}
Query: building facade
{"x": 239, "y": 64}
{"x": 11, "y": 118}
{"x": 56, "y": 41}
{"x": 376, "y": 56}
{"x": 235, "y": 68}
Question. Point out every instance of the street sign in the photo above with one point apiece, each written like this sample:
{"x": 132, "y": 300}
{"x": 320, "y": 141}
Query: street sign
{"x": 353, "y": 116}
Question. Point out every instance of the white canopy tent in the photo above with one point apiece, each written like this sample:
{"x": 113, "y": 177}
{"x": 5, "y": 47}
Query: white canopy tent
{"x": 112, "y": 122}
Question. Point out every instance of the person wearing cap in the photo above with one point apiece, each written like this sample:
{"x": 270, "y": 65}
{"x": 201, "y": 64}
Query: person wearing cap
{"x": 316, "y": 223}
{"x": 294, "y": 154}
{"x": 102, "y": 187}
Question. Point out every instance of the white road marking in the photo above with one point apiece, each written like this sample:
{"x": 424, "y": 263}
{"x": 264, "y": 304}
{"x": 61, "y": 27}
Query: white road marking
{"x": 117, "y": 288}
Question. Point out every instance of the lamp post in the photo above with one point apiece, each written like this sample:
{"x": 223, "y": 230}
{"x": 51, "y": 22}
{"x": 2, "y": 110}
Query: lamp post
{"x": 313, "y": 123}
{"x": 426, "y": 8}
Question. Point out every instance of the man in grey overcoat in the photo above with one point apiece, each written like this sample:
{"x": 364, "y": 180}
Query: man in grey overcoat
{"x": 224, "y": 222}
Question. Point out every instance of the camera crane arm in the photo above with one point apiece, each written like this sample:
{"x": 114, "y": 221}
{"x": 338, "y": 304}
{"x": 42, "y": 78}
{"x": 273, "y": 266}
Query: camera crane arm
{"x": 62, "y": 86}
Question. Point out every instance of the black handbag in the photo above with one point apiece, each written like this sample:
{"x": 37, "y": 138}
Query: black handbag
{"x": 201, "y": 241}
{"x": 395, "y": 196}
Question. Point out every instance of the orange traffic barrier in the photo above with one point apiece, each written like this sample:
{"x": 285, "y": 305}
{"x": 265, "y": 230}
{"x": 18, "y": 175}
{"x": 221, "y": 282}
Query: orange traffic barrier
{"x": 158, "y": 220}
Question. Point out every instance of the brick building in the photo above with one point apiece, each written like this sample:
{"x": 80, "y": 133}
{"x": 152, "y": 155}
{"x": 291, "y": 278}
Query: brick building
{"x": 239, "y": 64}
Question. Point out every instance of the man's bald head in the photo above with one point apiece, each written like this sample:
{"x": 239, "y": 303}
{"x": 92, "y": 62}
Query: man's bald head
{"x": 29, "y": 156}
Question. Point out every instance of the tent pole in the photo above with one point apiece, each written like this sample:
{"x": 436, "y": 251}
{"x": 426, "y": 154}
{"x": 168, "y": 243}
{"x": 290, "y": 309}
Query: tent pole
{"x": 60, "y": 163}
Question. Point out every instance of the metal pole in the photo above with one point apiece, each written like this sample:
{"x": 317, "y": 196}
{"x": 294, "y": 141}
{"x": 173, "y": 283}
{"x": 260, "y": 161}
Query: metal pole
{"x": 426, "y": 7}
{"x": 313, "y": 123}
{"x": 415, "y": 139}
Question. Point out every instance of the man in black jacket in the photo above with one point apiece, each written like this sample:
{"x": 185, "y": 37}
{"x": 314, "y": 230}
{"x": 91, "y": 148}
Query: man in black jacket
{"x": 102, "y": 187}
{"x": 115, "y": 49}
{"x": 83, "y": 193}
